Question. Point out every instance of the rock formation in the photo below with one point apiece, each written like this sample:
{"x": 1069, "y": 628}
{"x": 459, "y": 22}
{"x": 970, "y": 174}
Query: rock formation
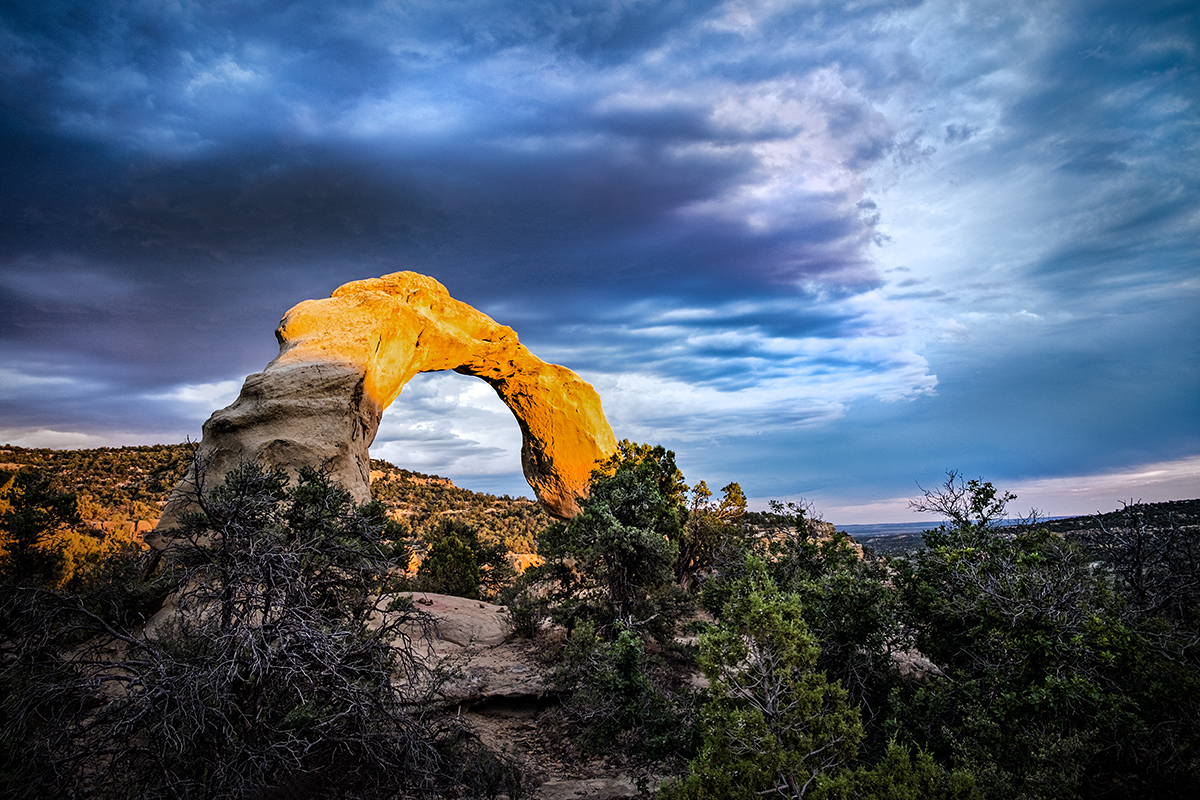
{"x": 344, "y": 359}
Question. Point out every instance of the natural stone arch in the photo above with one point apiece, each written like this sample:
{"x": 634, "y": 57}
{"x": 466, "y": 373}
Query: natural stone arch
{"x": 344, "y": 359}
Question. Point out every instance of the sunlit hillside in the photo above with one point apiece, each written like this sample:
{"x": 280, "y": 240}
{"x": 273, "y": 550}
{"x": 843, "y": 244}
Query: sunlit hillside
{"x": 123, "y": 489}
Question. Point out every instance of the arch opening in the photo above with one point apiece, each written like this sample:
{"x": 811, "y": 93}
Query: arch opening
{"x": 455, "y": 426}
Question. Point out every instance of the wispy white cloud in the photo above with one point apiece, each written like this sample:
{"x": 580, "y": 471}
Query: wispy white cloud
{"x": 65, "y": 279}
{"x": 199, "y": 398}
{"x": 223, "y": 72}
{"x": 451, "y": 425}
{"x": 1085, "y": 494}
{"x": 16, "y": 382}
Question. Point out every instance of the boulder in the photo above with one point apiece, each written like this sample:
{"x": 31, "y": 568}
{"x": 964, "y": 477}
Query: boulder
{"x": 463, "y": 622}
{"x": 343, "y": 359}
{"x": 469, "y": 640}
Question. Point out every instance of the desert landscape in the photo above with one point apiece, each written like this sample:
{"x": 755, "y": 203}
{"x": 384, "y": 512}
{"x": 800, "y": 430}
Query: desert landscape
{"x": 674, "y": 399}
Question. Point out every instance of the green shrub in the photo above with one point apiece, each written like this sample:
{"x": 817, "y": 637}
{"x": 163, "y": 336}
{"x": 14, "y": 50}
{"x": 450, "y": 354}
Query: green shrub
{"x": 615, "y": 561}
{"x": 459, "y": 564}
{"x": 616, "y": 694}
{"x": 773, "y": 724}
{"x": 1059, "y": 686}
{"x": 847, "y": 602}
{"x": 450, "y": 568}
{"x": 528, "y": 606}
{"x": 900, "y": 776}
{"x": 33, "y": 518}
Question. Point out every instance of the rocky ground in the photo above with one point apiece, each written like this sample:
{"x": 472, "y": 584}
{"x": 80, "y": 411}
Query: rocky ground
{"x": 496, "y": 683}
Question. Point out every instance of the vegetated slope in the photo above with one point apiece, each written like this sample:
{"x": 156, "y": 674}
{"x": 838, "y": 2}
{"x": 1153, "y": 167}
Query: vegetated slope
{"x": 893, "y": 545}
{"x": 422, "y": 501}
{"x": 112, "y": 484}
{"x": 1185, "y": 514}
{"x": 131, "y": 484}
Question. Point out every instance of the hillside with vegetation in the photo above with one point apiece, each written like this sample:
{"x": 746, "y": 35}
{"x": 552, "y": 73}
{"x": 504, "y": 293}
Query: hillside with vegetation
{"x": 111, "y": 484}
{"x": 423, "y": 501}
{"x": 1181, "y": 514}
{"x": 115, "y": 488}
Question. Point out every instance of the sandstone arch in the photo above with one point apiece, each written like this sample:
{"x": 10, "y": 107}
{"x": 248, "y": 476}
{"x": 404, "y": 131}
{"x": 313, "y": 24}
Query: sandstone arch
{"x": 342, "y": 360}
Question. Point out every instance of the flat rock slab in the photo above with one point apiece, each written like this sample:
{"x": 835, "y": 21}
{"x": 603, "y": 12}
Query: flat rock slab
{"x": 470, "y": 642}
{"x": 462, "y": 622}
{"x": 500, "y": 673}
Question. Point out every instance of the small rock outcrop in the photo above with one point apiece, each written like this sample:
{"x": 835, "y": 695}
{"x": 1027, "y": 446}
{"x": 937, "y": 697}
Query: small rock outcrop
{"x": 344, "y": 359}
{"x": 489, "y": 665}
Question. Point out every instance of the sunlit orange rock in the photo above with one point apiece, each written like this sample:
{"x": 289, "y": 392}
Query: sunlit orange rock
{"x": 344, "y": 359}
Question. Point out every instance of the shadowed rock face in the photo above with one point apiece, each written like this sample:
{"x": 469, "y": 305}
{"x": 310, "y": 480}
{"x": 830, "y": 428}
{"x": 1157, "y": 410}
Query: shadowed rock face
{"x": 344, "y": 359}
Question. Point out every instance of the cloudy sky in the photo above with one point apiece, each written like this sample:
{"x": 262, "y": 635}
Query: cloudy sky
{"x": 829, "y": 250}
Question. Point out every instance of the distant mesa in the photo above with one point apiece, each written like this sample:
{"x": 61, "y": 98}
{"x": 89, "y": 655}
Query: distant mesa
{"x": 344, "y": 359}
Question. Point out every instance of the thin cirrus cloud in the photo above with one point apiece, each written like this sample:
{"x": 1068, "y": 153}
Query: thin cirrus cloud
{"x": 807, "y": 244}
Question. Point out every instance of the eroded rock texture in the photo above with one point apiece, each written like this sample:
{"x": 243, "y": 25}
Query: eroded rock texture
{"x": 344, "y": 359}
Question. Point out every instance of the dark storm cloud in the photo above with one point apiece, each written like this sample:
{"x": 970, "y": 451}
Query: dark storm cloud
{"x": 193, "y": 166}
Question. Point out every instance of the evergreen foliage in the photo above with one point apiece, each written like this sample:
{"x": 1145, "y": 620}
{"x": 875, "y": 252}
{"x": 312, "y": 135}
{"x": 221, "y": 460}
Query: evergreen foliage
{"x": 845, "y": 597}
{"x": 450, "y": 568}
{"x": 614, "y": 562}
{"x": 1061, "y": 682}
{"x": 459, "y": 564}
{"x": 901, "y": 776}
{"x": 33, "y": 518}
{"x": 773, "y": 726}
{"x": 112, "y": 484}
{"x": 711, "y": 529}
{"x": 113, "y": 489}
{"x": 1064, "y": 665}
{"x": 618, "y": 696}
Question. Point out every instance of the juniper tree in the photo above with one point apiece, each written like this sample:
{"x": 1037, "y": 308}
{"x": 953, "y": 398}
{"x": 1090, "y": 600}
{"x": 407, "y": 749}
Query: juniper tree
{"x": 773, "y": 726}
